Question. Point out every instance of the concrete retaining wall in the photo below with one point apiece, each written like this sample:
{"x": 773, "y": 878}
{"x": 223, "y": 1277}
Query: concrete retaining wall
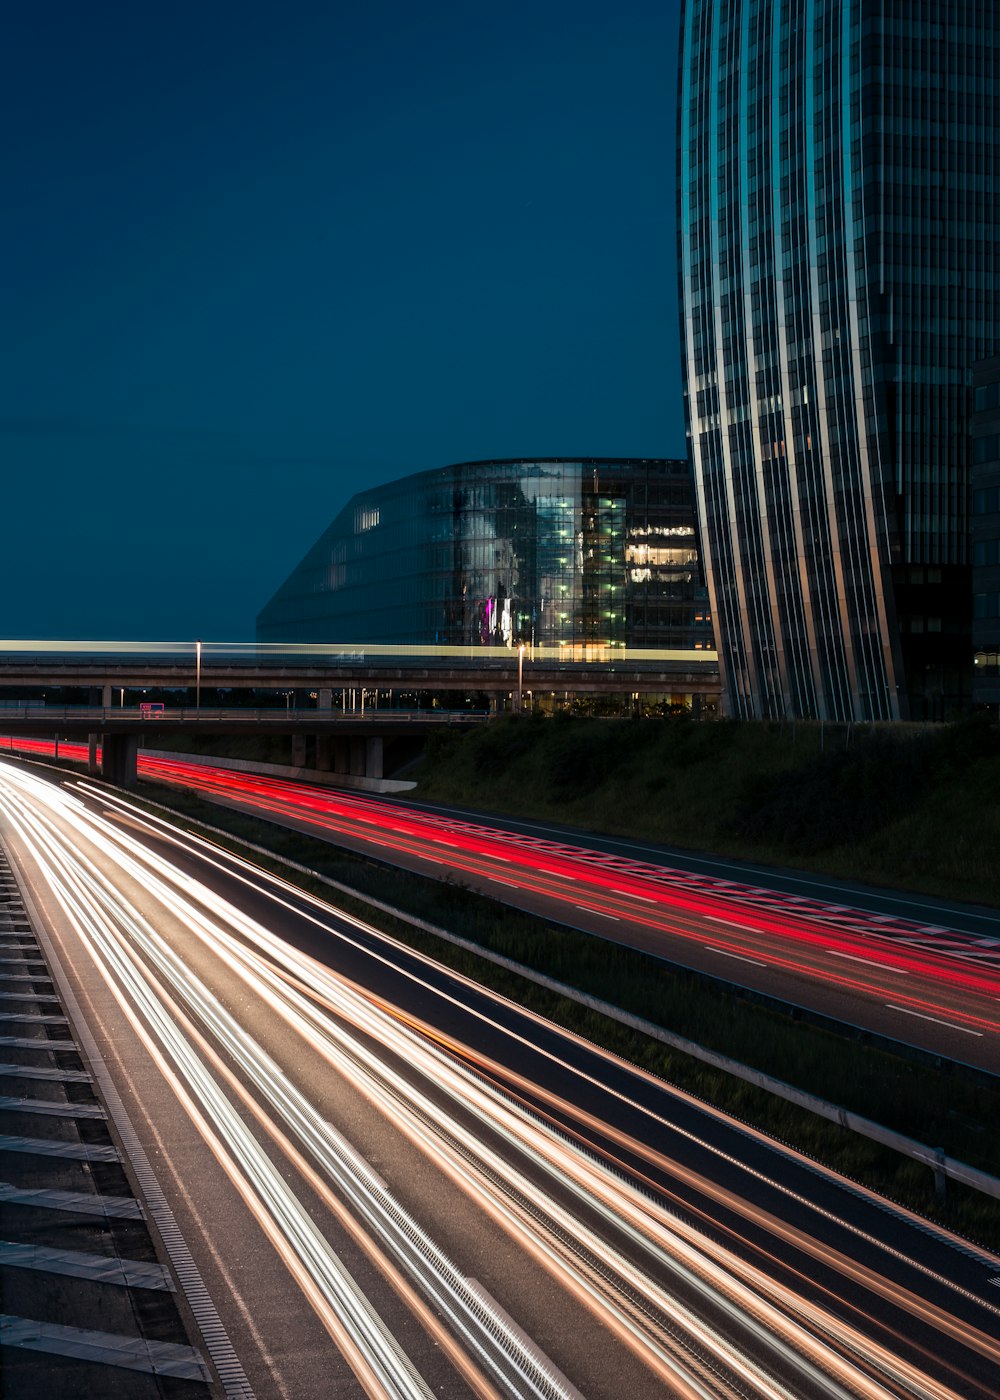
{"x": 280, "y": 770}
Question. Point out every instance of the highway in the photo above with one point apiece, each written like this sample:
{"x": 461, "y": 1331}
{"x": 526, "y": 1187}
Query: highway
{"x": 930, "y": 984}
{"x": 915, "y": 971}
{"x": 395, "y": 1183}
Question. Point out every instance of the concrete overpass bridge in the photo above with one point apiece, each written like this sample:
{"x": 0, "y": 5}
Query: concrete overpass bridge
{"x": 578, "y": 669}
{"x": 329, "y": 684}
{"x": 349, "y": 743}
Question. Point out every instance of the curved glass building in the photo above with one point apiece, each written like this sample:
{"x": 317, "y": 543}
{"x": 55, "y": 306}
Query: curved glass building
{"x": 547, "y": 551}
{"x": 838, "y": 214}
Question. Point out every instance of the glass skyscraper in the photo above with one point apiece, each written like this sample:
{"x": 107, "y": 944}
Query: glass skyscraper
{"x": 838, "y": 203}
{"x": 553, "y": 551}
{"x": 986, "y": 536}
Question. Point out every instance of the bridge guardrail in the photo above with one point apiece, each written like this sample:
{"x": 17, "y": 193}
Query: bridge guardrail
{"x": 189, "y": 714}
{"x": 205, "y": 653}
{"x": 943, "y": 1167}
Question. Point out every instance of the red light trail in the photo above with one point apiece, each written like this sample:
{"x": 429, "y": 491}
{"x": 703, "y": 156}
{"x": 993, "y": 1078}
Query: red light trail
{"x": 924, "y": 974}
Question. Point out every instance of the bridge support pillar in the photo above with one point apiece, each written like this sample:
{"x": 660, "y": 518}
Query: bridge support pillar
{"x": 106, "y": 697}
{"x": 324, "y": 702}
{"x": 341, "y": 756}
{"x": 298, "y": 750}
{"x": 118, "y": 758}
{"x": 374, "y": 754}
{"x": 93, "y": 767}
{"x": 357, "y": 765}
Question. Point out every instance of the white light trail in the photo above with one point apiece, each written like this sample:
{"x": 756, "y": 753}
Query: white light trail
{"x": 289, "y": 897}
{"x": 89, "y": 903}
{"x": 161, "y": 992}
{"x": 113, "y": 933}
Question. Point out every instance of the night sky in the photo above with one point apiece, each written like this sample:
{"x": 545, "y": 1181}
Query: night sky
{"x": 257, "y": 257}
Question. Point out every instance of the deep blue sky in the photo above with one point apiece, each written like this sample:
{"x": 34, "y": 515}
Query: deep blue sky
{"x": 258, "y": 256}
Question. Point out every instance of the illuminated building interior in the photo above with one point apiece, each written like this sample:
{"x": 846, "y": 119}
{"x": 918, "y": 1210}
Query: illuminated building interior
{"x": 551, "y": 551}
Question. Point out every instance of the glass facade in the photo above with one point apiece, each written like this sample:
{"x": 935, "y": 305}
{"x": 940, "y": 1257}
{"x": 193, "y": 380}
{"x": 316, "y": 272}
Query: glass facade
{"x": 986, "y": 535}
{"x": 553, "y": 552}
{"x": 837, "y": 229}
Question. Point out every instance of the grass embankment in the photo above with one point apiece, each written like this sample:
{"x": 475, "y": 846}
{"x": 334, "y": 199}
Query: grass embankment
{"x": 931, "y": 1105}
{"x": 912, "y": 807}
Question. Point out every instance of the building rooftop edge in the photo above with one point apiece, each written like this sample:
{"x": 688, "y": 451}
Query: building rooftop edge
{"x": 515, "y": 461}
{"x": 544, "y": 457}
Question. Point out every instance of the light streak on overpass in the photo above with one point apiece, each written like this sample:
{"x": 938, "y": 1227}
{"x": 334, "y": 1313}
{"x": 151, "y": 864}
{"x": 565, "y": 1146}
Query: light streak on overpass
{"x": 577, "y": 668}
{"x": 701, "y": 1313}
{"x": 337, "y": 653}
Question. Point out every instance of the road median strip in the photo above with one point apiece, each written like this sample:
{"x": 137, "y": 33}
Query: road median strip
{"x": 942, "y": 1166}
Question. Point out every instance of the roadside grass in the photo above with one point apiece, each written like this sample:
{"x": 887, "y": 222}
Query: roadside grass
{"x": 949, "y": 844}
{"x": 936, "y": 1107}
{"x": 907, "y": 806}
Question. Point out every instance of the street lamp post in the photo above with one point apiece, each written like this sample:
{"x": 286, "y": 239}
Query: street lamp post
{"x": 520, "y": 676}
{"x": 197, "y": 674}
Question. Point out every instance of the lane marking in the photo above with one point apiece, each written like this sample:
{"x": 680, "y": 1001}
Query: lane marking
{"x": 723, "y": 954}
{"x": 126, "y": 1273}
{"x": 50, "y": 1147}
{"x": 36, "y": 1042}
{"x": 66, "y": 1076}
{"x": 600, "y": 914}
{"x": 37, "y": 1018}
{"x": 936, "y": 1019}
{"x": 539, "y": 1357}
{"x": 235, "y": 1385}
{"x": 728, "y": 923}
{"x": 885, "y": 966}
{"x": 51, "y": 1107}
{"x": 76, "y": 1202}
{"x": 105, "y": 1348}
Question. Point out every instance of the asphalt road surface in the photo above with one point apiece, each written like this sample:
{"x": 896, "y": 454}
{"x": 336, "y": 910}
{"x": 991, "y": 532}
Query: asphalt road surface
{"x": 917, "y": 971}
{"x": 395, "y": 1183}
